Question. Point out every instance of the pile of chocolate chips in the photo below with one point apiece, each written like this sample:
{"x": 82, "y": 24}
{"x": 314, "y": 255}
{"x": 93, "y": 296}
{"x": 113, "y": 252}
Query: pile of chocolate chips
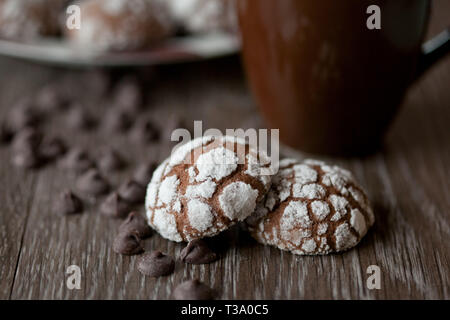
{"x": 23, "y": 129}
{"x": 129, "y": 241}
{"x": 31, "y": 148}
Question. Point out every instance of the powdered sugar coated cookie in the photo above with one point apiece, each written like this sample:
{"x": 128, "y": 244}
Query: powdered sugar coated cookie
{"x": 312, "y": 208}
{"x": 199, "y": 16}
{"x": 206, "y": 186}
{"x": 25, "y": 19}
{"x": 121, "y": 24}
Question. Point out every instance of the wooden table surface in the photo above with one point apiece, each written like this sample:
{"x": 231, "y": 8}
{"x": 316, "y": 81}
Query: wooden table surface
{"x": 408, "y": 182}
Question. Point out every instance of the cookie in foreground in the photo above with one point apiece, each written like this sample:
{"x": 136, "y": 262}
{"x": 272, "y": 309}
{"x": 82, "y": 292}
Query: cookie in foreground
{"x": 206, "y": 186}
{"x": 312, "y": 208}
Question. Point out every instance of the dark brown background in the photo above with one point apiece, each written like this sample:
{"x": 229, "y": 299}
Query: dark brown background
{"x": 408, "y": 182}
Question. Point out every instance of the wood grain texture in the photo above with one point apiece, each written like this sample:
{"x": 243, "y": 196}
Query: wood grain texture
{"x": 408, "y": 183}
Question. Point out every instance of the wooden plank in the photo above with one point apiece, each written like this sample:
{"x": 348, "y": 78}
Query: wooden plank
{"x": 16, "y": 192}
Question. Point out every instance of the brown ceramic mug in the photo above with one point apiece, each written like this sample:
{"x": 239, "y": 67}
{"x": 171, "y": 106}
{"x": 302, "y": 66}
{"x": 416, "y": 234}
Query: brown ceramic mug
{"x": 327, "y": 81}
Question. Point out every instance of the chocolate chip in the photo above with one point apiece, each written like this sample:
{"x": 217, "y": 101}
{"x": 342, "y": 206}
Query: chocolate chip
{"x": 6, "y": 133}
{"x": 114, "y": 206}
{"x": 68, "y": 203}
{"x": 52, "y": 148}
{"x": 135, "y": 222}
{"x": 50, "y": 99}
{"x": 193, "y": 290}
{"x": 111, "y": 160}
{"x": 93, "y": 182}
{"x": 145, "y": 131}
{"x": 25, "y": 149}
{"x": 197, "y": 252}
{"x": 128, "y": 95}
{"x": 143, "y": 174}
{"x": 78, "y": 160}
{"x": 156, "y": 264}
{"x": 79, "y": 118}
{"x": 27, "y": 158}
{"x": 132, "y": 192}
{"x": 27, "y": 139}
{"x": 118, "y": 120}
{"x": 23, "y": 114}
{"x": 99, "y": 82}
{"x": 127, "y": 243}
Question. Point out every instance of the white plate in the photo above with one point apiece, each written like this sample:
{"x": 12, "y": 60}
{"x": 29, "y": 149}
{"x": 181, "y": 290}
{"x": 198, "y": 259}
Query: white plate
{"x": 174, "y": 50}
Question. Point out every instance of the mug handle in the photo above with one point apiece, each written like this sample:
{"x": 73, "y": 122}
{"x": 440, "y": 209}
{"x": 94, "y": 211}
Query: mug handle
{"x": 432, "y": 51}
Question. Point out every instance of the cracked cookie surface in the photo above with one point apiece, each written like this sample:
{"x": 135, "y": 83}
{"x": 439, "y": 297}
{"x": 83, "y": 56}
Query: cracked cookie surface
{"x": 312, "y": 208}
{"x": 206, "y": 186}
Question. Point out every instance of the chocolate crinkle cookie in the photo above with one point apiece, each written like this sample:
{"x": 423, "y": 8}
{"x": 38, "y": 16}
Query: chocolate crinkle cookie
{"x": 121, "y": 24}
{"x": 206, "y": 186}
{"x": 312, "y": 208}
{"x": 25, "y": 19}
{"x": 201, "y": 16}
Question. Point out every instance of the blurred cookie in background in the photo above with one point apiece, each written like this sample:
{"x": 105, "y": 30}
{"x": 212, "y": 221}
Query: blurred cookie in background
{"x": 115, "y": 25}
{"x": 25, "y": 19}
{"x": 202, "y": 16}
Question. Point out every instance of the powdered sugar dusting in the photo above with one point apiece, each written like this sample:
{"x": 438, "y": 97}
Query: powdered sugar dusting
{"x": 24, "y": 19}
{"x": 192, "y": 174}
{"x": 322, "y": 228}
{"x": 204, "y": 190}
{"x": 254, "y": 170}
{"x": 176, "y": 206}
{"x": 295, "y": 214}
{"x": 190, "y": 191}
{"x": 340, "y": 206}
{"x": 310, "y": 204}
{"x": 200, "y": 215}
{"x": 121, "y": 24}
{"x": 168, "y": 190}
{"x": 216, "y": 164}
{"x": 179, "y": 155}
{"x": 309, "y": 191}
{"x": 166, "y": 225}
{"x": 152, "y": 192}
{"x": 152, "y": 188}
{"x": 204, "y": 16}
{"x": 320, "y": 209}
{"x": 284, "y": 189}
{"x": 305, "y": 174}
{"x": 314, "y": 162}
{"x": 309, "y": 245}
{"x": 357, "y": 221}
{"x": 238, "y": 200}
{"x": 344, "y": 238}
